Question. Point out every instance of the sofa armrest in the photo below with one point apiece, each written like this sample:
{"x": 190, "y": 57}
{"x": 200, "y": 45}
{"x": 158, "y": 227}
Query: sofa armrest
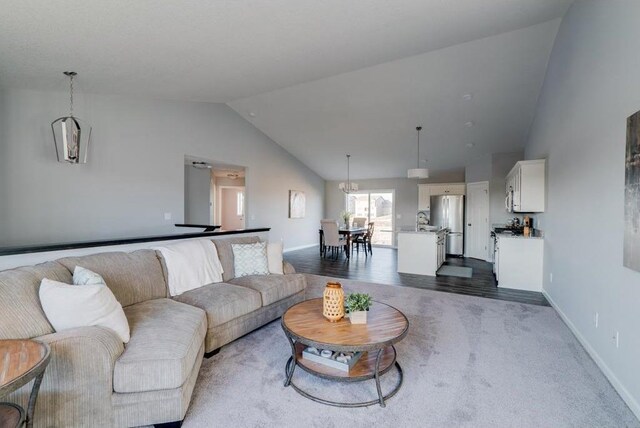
{"x": 78, "y": 382}
{"x": 288, "y": 268}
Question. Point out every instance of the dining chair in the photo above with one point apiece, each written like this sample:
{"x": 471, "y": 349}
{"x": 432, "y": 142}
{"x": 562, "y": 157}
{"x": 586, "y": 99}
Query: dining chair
{"x": 369, "y": 236}
{"x": 332, "y": 238}
{"x": 359, "y": 221}
{"x": 365, "y": 239}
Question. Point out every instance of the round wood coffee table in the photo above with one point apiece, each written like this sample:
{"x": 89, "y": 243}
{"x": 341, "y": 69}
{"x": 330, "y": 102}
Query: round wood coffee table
{"x": 305, "y": 326}
{"x": 21, "y": 361}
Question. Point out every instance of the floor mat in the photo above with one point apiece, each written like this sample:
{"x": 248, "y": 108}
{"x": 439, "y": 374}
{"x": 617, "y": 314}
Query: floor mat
{"x": 463, "y": 272}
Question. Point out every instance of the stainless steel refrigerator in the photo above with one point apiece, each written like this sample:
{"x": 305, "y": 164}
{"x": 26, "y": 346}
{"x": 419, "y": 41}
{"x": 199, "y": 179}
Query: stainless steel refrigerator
{"x": 448, "y": 211}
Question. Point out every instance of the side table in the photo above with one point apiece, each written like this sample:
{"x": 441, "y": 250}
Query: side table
{"x": 21, "y": 361}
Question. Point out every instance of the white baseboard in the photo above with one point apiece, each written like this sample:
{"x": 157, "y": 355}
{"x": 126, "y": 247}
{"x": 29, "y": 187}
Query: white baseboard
{"x": 302, "y": 247}
{"x": 615, "y": 382}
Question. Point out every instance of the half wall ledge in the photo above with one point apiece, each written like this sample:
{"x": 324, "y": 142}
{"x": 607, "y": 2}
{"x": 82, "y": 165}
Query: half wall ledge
{"x": 9, "y": 251}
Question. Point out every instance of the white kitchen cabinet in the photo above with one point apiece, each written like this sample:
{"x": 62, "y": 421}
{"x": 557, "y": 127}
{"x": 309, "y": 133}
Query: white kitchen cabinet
{"x": 421, "y": 253}
{"x": 519, "y": 262}
{"x": 447, "y": 189}
{"x": 424, "y": 197}
{"x": 425, "y": 191}
{"x": 526, "y": 185}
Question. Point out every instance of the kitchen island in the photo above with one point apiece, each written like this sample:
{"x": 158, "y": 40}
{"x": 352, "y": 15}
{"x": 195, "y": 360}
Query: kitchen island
{"x": 421, "y": 252}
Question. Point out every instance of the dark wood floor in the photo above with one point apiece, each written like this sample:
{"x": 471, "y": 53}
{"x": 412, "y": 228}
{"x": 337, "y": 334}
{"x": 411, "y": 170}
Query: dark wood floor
{"x": 382, "y": 268}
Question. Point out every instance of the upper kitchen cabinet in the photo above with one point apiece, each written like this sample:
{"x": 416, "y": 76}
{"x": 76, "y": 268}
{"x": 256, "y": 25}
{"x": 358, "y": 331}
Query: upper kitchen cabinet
{"x": 426, "y": 191}
{"x": 525, "y": 187}
{"x": 424, "y": 197}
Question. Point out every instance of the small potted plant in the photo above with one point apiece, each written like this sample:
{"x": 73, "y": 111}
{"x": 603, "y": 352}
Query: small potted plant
{"x": 357, "y": 305}
{"x": 346, "y": 217}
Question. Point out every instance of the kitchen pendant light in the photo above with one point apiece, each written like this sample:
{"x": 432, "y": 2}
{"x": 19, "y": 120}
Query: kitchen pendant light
{"x": 71, "y": 136}
{"x": 348, "y": 187}
{"x": 418, "y": 172}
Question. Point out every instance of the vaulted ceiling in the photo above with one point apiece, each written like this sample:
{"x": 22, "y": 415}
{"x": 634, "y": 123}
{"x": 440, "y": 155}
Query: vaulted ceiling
{"x": 322, "y": 78}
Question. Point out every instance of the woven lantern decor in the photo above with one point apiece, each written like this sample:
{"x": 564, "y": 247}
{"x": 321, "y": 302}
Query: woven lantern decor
{"x": 333, "y": 302}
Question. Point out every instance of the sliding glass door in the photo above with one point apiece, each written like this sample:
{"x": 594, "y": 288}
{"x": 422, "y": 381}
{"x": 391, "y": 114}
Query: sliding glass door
{"x": 377, "y": 207}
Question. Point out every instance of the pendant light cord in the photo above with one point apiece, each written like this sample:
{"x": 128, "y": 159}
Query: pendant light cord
{"x": 418, "y": 128}
{"x": 71, "y": 95}
{"x": 348, "y": 174}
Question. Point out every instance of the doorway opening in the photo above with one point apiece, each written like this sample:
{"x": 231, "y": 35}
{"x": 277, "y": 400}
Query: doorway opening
{"x": 377, "y": 206}
{"x": 231, "y": 207}
{"x": 215, "y": 194}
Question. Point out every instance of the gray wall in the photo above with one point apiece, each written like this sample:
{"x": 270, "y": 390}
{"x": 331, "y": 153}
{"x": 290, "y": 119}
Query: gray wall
{"x": 494, "y": 169}
{"x": 406, "y": 193}
{"x": 135, "y": 172}
{"x": 590, "y": 89}
{"x": 197, "y": 193}
{"x": 478, "y": 170}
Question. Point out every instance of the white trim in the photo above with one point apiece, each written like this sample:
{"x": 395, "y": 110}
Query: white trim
{"x": 301, "y": 247}
{"x": 617, "y": 385}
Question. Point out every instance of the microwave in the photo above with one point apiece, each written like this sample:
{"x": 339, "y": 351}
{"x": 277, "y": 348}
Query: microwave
{"x": 508, "y": 200}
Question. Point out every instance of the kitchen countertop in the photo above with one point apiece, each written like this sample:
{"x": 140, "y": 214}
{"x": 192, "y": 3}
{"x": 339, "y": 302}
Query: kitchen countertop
{"x": 538, "y": 235}
{"x": 433, "y": 231}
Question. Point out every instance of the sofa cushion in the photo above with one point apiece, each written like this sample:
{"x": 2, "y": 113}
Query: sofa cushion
{"x": 250, "y": 259}
{"x": 273, "y": 288}
{"x": 70, "y": 306}
{"x": 133, "y": 277}
{"x": 21, "y": 315}
{"x": 225, "y": 253}
{"x": 166, "y": 340}
{"x": 222, "y": 302}
{"x": 274, "y": 257}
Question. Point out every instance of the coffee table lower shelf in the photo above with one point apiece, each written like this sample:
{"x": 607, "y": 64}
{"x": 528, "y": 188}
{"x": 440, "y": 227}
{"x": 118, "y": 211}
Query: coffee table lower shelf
{"x": 372, "y": 365}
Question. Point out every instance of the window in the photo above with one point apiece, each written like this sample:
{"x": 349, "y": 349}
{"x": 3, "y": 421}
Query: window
{"x": 377, "y": 207}
{"x": 240, "y": 204}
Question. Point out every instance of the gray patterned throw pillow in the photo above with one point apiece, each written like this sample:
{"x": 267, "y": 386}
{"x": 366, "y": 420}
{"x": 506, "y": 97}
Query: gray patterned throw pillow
{"x": 250, "y": 259}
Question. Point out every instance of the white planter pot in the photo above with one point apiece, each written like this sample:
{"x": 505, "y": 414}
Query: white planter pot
{"x": 359, "y": 317}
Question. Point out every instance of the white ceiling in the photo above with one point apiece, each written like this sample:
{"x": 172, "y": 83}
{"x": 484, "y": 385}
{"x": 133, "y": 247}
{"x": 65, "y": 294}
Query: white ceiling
{"x": 221, "y": 51}
{"x": 372, "y": 113}
{"x": 218, "y": 51}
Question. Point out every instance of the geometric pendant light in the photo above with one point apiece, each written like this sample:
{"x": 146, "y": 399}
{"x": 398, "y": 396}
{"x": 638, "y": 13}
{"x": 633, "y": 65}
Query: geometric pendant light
{"x": 418, "y": 172}
{"x": 71, "y": 135}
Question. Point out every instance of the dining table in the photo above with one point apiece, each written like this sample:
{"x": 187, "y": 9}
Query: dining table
{"x": 350, "y": 233}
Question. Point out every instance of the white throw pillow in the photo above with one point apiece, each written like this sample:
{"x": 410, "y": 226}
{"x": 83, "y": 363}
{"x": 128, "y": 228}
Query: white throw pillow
{"x": 250, "y": 259}
{"x": 191, "y": 264}
{"x": 82, "y": 276}
{"x": 68, "y": 306}
{"x": 274, "y": 257}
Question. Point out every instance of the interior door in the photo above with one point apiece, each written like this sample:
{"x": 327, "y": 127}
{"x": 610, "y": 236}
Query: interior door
{"x": 232, "y": 208}
{"x": 477, "y": 225}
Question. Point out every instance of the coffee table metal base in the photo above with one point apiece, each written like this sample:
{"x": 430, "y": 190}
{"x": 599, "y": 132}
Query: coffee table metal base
{"x": 291, "y": 366}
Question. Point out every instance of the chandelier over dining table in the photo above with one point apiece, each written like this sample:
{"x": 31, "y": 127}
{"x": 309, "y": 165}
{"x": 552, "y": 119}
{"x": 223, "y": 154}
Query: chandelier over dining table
{"x": 348, "y": 187}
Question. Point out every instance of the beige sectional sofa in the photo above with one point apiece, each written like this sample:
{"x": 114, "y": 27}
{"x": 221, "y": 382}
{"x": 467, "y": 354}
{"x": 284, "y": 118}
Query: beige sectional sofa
{"x": 93, "y": 379}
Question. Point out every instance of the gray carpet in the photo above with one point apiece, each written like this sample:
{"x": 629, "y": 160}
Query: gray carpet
{"x": 462, "y": 272}
{"x": 468, "y": 361}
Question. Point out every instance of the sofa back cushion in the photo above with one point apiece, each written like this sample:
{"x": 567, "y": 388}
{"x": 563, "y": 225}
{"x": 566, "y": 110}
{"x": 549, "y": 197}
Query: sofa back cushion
{"x": 21, "y": 315}
{"x": 132, "y": 277}
{"x": 225, "y": 253}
